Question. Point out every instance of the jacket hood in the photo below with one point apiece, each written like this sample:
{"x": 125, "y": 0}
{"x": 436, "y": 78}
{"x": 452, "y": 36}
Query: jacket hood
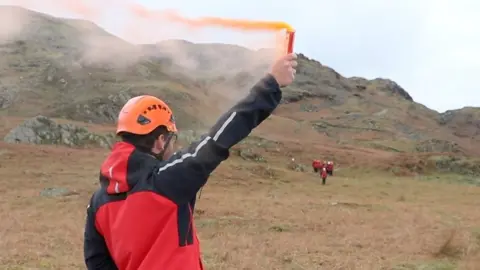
{"x": 124, "y": 167}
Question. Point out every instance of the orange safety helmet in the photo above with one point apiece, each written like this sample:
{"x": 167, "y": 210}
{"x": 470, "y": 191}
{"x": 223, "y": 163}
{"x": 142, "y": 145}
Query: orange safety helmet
{"x": 143, "y": 114}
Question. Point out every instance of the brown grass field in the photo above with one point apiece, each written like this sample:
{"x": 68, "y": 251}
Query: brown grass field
{"x": 251, "y": 216}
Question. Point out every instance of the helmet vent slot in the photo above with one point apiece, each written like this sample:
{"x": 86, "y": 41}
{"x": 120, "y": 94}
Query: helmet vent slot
{"x": 142, "y": 120}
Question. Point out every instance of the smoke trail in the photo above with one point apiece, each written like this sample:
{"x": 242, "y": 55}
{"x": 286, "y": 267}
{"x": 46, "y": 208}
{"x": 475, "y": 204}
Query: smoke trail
{"x": 245, "y": 25}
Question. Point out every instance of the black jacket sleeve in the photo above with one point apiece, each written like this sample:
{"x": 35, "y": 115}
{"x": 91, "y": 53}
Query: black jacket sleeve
{"x": 96, "y": 254}
{"x": 180, "y": 177}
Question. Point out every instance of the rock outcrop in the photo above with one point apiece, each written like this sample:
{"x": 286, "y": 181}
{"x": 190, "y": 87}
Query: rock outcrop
{"x": 441, "y": 146}
{"x": 43, "y": 130}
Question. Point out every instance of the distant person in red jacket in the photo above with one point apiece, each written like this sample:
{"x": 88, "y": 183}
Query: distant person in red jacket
{"x": 321, "y": 167}
{"x": 141, "y": 217}
{"x": 329, "y": 168}
{"x": 324, "y": 175}
{"x": 316, "y": 165}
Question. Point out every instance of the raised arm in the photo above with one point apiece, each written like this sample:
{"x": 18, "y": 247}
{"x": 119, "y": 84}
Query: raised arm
{"x": 181, "y": 176}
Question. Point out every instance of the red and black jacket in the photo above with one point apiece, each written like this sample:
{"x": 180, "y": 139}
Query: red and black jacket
{"x": 141, "y": 217}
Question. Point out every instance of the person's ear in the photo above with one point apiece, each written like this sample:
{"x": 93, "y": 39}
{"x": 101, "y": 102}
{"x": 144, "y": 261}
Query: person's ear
{"x": 161, "y": 138}
{"x": 160, "y": 142}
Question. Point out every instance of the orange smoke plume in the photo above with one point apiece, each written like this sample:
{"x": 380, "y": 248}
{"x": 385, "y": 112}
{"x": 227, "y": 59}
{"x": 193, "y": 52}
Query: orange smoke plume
{"x": 213, "y": 21}
{"x": 231, "y": 23}
{"x": 284, "y": 42}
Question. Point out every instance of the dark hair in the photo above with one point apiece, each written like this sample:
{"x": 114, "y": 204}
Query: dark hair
{"x": 144, "y": 142}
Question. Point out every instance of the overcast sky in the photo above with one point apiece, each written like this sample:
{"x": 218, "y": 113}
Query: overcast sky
{"x": 431, "y": 48}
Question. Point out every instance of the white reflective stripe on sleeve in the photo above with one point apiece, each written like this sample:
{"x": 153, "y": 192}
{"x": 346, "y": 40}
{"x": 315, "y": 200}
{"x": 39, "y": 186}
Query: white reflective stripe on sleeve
{"x": 200, "y": 145}
{"x": 225, "y": 124}
{"x": 184, "y": 156}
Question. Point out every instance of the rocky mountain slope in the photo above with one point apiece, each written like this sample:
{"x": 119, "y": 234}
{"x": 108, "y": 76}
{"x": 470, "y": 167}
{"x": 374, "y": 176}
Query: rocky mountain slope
{"x": 75, "y": 70}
